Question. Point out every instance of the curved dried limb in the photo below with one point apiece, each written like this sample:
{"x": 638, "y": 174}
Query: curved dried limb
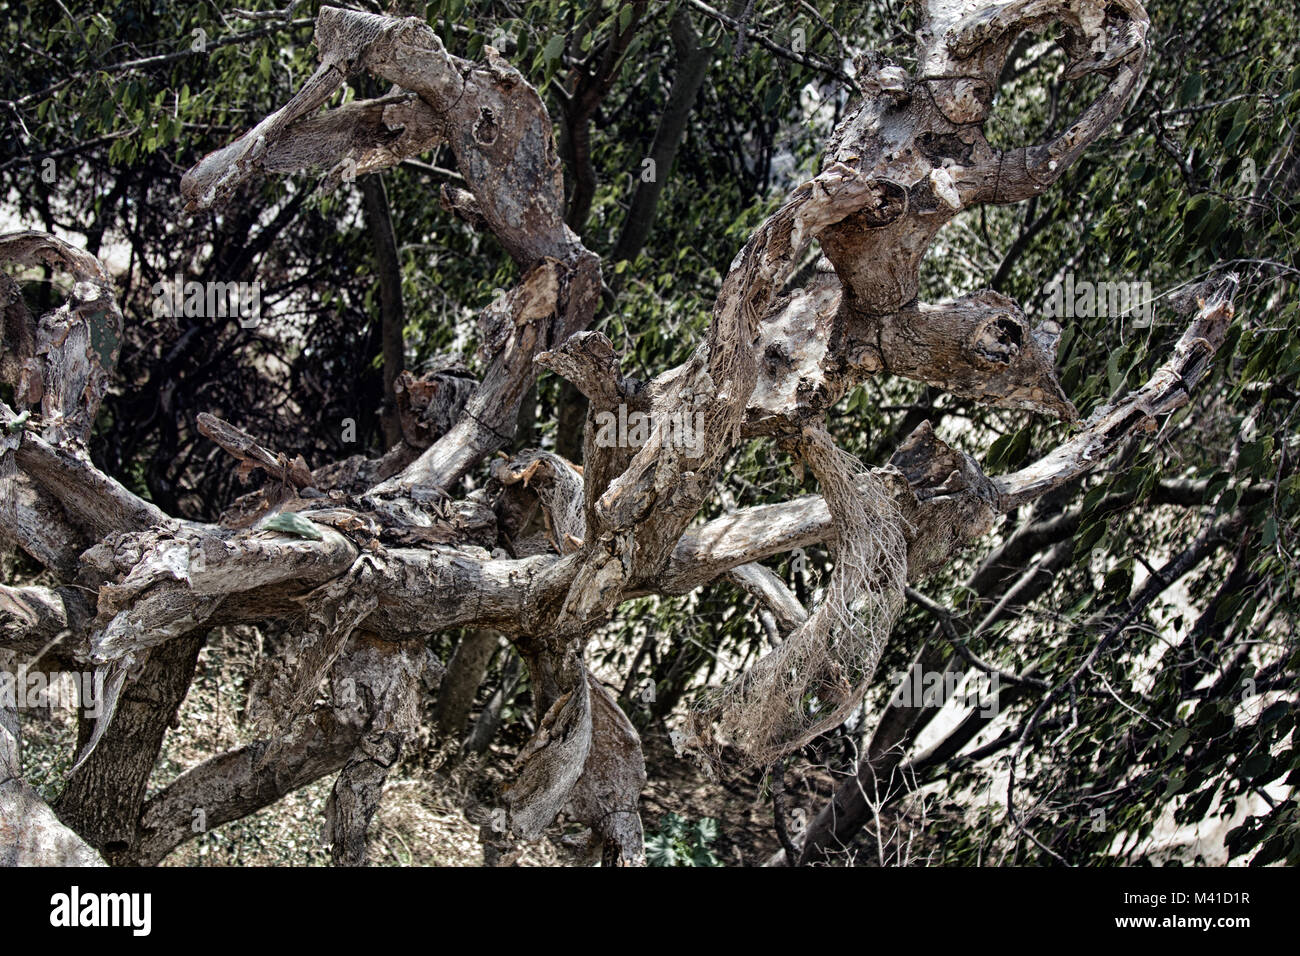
{"x": 902, "y": 163}
{"x": 1168, "y": 390}
{"x": 368, "y": 687}
{"x": 253, "y": 455}
{"x": 558, "y": 485}
{"x": 979, "y": 346}
{"x": 30, "y": 833}
{"x": 72, "y": 349}
{"x": 500, "y": 133}
{"x": 764, "y": 584}
{"x": 33, "y": 620}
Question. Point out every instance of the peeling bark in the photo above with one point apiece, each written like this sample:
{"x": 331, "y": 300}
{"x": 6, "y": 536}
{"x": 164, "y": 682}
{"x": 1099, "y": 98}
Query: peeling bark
{"x": 367, "y": 558}
{"x": 102, "y": 797}
{"x": 370, "y": 693}
{"x": 30, "y": 833}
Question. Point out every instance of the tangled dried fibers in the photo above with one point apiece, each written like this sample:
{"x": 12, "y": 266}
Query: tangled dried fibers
{"x": 812, "y": 681}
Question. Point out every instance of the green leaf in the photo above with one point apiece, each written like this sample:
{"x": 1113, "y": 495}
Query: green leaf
{"x": 290, "y": 522}
{"x": 1257, "y": 766}
{"x": 1178, "y": 741}
{"x": 1190, "y": 91}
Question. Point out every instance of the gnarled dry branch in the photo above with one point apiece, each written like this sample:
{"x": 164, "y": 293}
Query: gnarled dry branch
{"x": 372, "y": 557}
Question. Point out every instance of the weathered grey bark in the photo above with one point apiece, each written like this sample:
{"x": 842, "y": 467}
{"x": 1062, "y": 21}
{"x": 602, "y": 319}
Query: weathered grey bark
{"x": 355, "y": 798}
{"x": 36, "y": 620}
{"x": 390, "y": 555}
{"x": 369, "y": 693}
{"x": 102, "y": 798}
{"x": 62, "y": 363}
{"x": 768, "y": 588}
{"x": 30, "y": 833}
{"x": 390, "y": 681}
{"x": 500, "y": 132}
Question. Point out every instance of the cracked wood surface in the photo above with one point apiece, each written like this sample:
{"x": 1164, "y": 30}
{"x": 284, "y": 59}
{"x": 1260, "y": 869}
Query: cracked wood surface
{"x": 401, "y": 556}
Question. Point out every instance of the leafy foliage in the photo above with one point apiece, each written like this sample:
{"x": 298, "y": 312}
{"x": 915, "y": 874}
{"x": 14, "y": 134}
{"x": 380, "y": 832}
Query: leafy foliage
{"x": 682, "y": 842}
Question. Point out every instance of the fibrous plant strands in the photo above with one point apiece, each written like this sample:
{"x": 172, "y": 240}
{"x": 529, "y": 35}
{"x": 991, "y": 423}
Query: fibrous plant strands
{"x": 325, "y": 630}
{"x": 558, "y": 487}
{"x": 815, "y": 678}
{"x": 563, "y": 504}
